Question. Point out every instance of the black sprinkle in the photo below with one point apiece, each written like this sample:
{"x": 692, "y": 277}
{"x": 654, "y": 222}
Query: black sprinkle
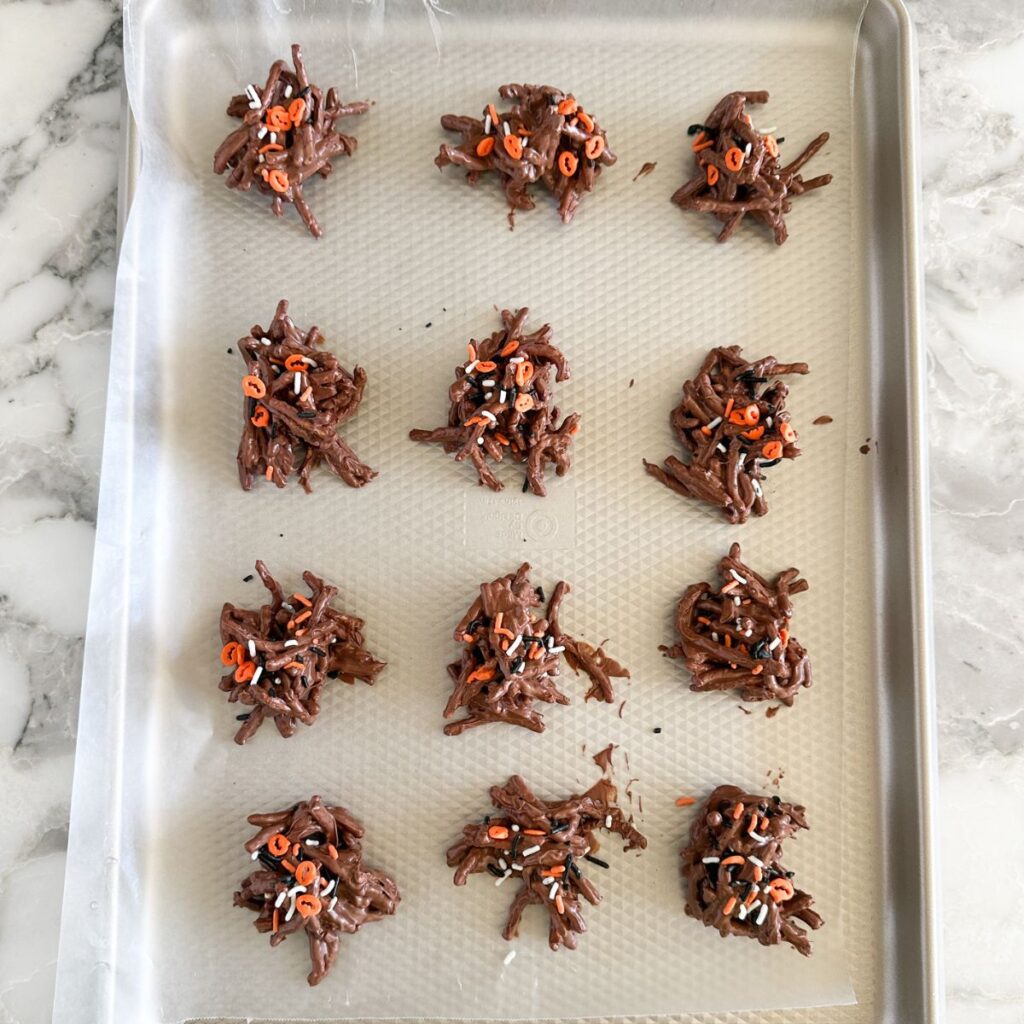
{"x": 657, "y": 730}
{"x": 487, "y": 819}
{"x": 790, "y": 874}
{"x": 526, "y": 484}
{"x": 231, "y": 351}
{"x": 539, "y": 591}
{"x": 494, "y": 871}
{"x": 333, "y": 675}
{"x": 768, "y": 465}
{"x": 573, "y": 868}
{"x": 694, "y": 128}
{"x": 243, "y": 718}
{"x": 561, "y": 827}
{"x": 596, "y": 860}
{"x": 514, "y": 845}
{"x": 248, "y": 579}
{"x": 776, "y": 799}
{"x": 307, "y": 414}
{"x": 318, "y": 650}
{"x": 781, "y": 138}
{"x": 429, "y": 323}
{"x": 517, "y": 665}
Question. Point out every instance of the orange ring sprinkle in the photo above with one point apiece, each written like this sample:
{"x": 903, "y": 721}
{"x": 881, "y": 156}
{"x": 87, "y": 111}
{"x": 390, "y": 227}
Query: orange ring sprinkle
{"x": 567, "y": 163}
{"x": 245, "y": 672}
{"x": 585, "y": 119}
{"x": 772, "y": 450}
{"x": 230, "y": 653}
{"x": 486, "y": 365}
{"x": 305, "y": 873}
{"x": 278, "y": 181}
{"x": 513, "y": 146}
{"x": 295, "y": 363}
{"x": 594, "y": 147}
{"x": 278, "y": 119}
{"x": 485, "y": 146}
{"x": 278, "y": 844}
{"x": 297, "y": 110}
{"x": 787, "y": 432}
{"x": 509, "y": 348}
{"x": 568, "y": 106}
{"x": 734, "y": 158}
{"x": 253, "y": 387}
{"x": 754, "y": 435}
{"x": 261, "y": 417}
{"x": 771, "y": 145}
{"x": 751, "y": 415}
{"x": 711, "y": 174}
{"x": 307, "y": 904}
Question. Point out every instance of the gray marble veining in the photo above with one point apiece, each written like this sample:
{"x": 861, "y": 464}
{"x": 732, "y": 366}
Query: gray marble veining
{"x": 58, "y": 171}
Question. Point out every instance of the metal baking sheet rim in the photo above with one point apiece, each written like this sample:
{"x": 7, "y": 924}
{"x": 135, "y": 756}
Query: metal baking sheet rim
{"x": 897, "y": 1004}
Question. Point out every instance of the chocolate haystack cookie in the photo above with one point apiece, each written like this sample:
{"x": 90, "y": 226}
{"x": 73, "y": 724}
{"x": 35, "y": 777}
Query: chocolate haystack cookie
{"x": 280, "y": 657}
{"x": 287, "y": 135}
{"x": 733, "y": 428}
{"x": 735, "y": 879}
{"x": 737, "y": 637}
{"x": 739, "y": 170}
{"x": 502, "y": 406}
{"x": 544, "y": 845}
{"x": 510, "y": 658}
{"x": 312, "y": 878}
{"x": 296, "y": 397}
{"x": 546, "y": 137}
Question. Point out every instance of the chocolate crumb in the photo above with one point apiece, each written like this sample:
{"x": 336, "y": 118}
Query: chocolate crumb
{"x": 865, "y": 449}
{"x": 345, "y": 895}
{"x": 718, "y": 895}
{"x": 603, "y": 759}
{"x": 745, "y": 711}
{"x": 287, "y": 136}
{"x": 772, "y": 711}
{"x": 429, "y": 323}
{"x": 632, "y": 381}
{"x": 567, "y": 831}
{"x": 820, "y": 421}
{"x": 739, "y": 171}
{"x": 248, "y": 579}
{"x": 657, "y": 730}
{"x": 622, "y": 707}
{"x": 645, "y": 169}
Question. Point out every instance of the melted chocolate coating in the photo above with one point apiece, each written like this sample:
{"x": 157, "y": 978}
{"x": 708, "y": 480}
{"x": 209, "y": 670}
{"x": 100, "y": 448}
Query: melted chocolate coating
{"x": 510, "y": 658}
{"x": 744, "y": 647}
{"x": 342, "y": 895}
{"x": 297, "y": 424}
{"x": 564, "y": 835}
{"x": 545, "y": 137}
{"x": 745, "y": 897}
{"x": 732, "y": 429}
{"x": 304, "y": 139}
{"x": 507, "y": 408}
{"x": 298, "y": 648}
{"x": 739, "y": 171}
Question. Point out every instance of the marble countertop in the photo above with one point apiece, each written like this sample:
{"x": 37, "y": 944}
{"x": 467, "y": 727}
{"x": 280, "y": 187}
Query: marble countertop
{"x": 58, "y": 181}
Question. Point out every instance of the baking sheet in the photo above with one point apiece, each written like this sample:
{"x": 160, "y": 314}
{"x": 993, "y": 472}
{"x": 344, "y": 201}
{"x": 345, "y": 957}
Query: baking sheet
{"x": 635, "y": 292}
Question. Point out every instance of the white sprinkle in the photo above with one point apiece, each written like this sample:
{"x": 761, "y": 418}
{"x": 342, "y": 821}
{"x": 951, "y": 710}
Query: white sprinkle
{"x": 749, "y": 632}
{"x": 487, "y": 125}
{"x": 504, "y": 124}
{"x": 742, "y": 459}
{"x": 737, "y": 577}
{"x": 757, "y": 488}
{"x": 255, "y": 855}
{"x": 721, "y": 447}
{"x": 714, "y": 423}
{"x": 309, "y": 362}
{"x": 547, "y": 881}
{"x": 291, "y": 643}
{"x": 298, "y": 383}
{"x": 291, "y": 913}
{"x": 261, "y": 132}
{"x": 608, "y": 821}
{"x": 711, "y": 860}
{"x": 480, "y": 440}
{"x": 287, "y": 92}
{"x": 754, "y": 860}
{"x": 762, "y": 914}
{"x": 775, "y": 643}
{"x": 330, "y": 906}
{"x": 750, "y": 146}
{"x": 518, "y": 359}
{"x": 490, "y": 383}
{"x": 736, "y": 601}
{"x": 488, "y": 395}
{"x": 515, "y": 828}
{"x": 328, "y": 887}
{"x": 714, "y": 636}
{"x": 555, "y": 650}
{"x": 273, "y": 136}
{"x": 514, "y": 646}
{"x": 511, "y": 954}
{"x": 531, "y": 850}
{"x": 264, "y": 341}
{"x": 489, "y": 415}
{"x": 252, "y": 648}
{"x": 287, "y": 607}
{"x": 517, "y": 867}
{"x": 503, "y": 864}
{"x": 260, "y": 159}
{"x": 470, "y": 367}
{"x": 502, "y": 395}
{"x": 552, "y": 892}
{"x": 768, "y": 421}
{"x": 312, "y": 842}
{"x": 251, "y": 92}
{"x": 254, "y": 104}
{"x": 768, "y": 131}
{"x": 753, "y": 906}
{"x": 256, "y": 675}
{"x": 741, "y": 913}
{"x": 281, "y": 897}
{"x": 498, "y": 881}
{"x": 758, "y": 838}
{"x": 295, "y": 890}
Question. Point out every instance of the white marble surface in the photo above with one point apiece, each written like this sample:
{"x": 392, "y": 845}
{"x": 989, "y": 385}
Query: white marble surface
{"x": 58, "y": 170}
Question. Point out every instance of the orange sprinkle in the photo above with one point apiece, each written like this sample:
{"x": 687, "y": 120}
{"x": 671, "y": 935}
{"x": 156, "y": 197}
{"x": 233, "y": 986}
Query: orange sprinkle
{"x": 278, "y": 119}
{"x": 301, "y": 632}
{"x": 304, "y": 397}
{"x": 685, "y": 801}
{"x": 468, "y": 637}
{"x": 471, "y": 351}
{"x": 509, "y": 348}
{"x": 567, "y": 163}
{"x": 568, "y": 106}
{"x": 757, "y": 669}
{"x": 764, "y": 824}
{"x": 737, "y": 812}
{"x": 231, "y": 653}
{"x": 731, "y": 585}
{"x": 485, "y": 146}
{"x": 501, "y": 439}
{"x": 332, "y": 851}
{"x": 513, "y": 146}
{"x": 270, "y": 473}
{"x": 559, "y": 903}
{"x": 302, "y": 618}
{"x": 574, "y": 429}
{"x": 245, "y": 672}
{"x": 711, "y": 174}
{"x": 278, "y": 181}
{"x": 558, "y": 869}
{"x": 787, "y": 432}
{"x": 524, "y": 373}
{"x": 307, "y": 904}
{"x": 502, "y": 631}
{"x": 474, "y": 421}
{"x": 483, "y": 674}
{"x": 594, "y": 147}
{"x": 296, "y": 664}
{"x": 288, "y": 866}
{"x": 504, "y": 645}
{"x": 261, "y": 417}
{"x": 272, "y": 147}
{"x": 305, "y": 873}
{"x": 772, "y": 450}
{"x": 729, "y": 906}
{"x": 734, "y": 859}
{"x": 757, "y": 873}
{"x": 753, "y": 435}
{"x": 253, "y": 387}
{"x": 295, "y": 363}
{"x": 728, "y": 640}
{"x": 734, "y": 158}
{"x": 302, "y": 599}
{"x": 752, "y": 826}
{"x": 276, "y": 921}
{"x": 499, "y": 618}
{"x": 278, "y": 844}
{"x": 534, "y": 832}
{"x": 297, "y": 110}
{"x": 494, "y": 115}
{"x": 586, "y": 120}
{"x": 771, "y": 145}
{"x": 498, "y": 832}
{"x": 700, "y": 141}
{"x": 728, "y": 408}
{"x": 486, "y": 366}
{"x": 751, "y": 899}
